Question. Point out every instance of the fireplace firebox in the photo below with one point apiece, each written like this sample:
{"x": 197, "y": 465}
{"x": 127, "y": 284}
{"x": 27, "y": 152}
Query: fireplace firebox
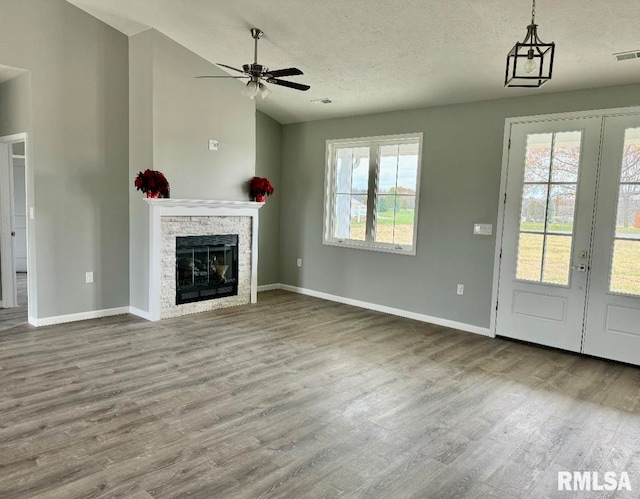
{"x": 206, "y": 267}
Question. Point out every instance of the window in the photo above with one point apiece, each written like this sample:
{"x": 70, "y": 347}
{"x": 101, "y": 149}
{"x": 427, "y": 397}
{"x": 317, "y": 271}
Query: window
{"x": 372, "y": 193}
{"x": 552, "y": 161}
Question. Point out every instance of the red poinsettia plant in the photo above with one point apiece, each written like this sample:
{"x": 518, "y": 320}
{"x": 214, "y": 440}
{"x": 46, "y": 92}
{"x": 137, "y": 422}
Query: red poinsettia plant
{"x": 153, "y": 183}
{"x": 260, "y": 187}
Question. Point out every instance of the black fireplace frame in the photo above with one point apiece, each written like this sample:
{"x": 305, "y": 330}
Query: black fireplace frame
{"x": 215, "y": 286}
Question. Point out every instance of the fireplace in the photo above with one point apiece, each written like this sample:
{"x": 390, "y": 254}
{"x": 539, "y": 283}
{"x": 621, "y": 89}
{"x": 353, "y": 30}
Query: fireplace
{"x": 206, "y": 267}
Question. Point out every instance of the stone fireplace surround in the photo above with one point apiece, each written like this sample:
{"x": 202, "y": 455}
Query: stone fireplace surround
{"x": 170, "y": 218}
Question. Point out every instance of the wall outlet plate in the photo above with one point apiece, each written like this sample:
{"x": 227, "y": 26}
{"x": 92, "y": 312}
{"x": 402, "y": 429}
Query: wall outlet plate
{"x": 483, "y": 229}
{"x": 213, "y": 145}
{"x": 299, "y": 262}
{"x": 460, "y": 289}
{"x": 89, "y": 277}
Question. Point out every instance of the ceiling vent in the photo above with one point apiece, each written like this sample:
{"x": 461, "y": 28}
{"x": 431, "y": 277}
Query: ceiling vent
{"x": 625, "y": 56}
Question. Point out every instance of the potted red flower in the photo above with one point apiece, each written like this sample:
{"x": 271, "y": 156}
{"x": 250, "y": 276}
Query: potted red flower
{"x": 260, "y": 188}
{"x": 153, "y": 183}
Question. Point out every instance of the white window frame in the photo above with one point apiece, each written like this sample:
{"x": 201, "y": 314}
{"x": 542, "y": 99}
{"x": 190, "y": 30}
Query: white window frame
{"x": 374, "y": 144}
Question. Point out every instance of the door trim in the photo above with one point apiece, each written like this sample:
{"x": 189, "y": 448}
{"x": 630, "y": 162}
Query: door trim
{"x": 509, "y": 122}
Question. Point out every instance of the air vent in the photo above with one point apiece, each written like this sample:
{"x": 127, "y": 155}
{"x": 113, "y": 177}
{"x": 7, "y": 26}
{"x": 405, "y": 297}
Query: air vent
{"x": 625, "y": 56}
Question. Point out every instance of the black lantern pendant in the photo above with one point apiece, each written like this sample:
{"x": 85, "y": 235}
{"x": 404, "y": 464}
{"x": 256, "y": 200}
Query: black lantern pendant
{"x": 530, "y": 63}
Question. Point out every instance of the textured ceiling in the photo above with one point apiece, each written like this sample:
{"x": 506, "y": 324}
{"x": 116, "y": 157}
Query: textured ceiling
{"x": 380, "y": 55}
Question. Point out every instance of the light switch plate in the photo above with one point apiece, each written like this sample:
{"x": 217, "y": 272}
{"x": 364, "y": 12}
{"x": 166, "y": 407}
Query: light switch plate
{"x": 482, "y": 229}
{"x": 213, "y": 145}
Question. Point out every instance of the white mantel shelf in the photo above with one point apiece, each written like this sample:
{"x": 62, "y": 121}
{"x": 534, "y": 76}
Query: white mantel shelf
{"x": 161, "y": 207}
{"x": 203, "y": 203}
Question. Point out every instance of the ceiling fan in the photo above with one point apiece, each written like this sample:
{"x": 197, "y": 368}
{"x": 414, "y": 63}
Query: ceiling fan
{"x": 256, "y": 73}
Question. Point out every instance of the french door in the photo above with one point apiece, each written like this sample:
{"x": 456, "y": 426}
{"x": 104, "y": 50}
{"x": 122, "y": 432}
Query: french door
{"x": 569, "y": 273}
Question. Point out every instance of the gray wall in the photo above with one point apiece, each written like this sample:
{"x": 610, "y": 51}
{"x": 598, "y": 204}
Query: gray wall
{"x": 459, "y": 187}
{"x": 79, "y": 147}
{"x": 269, "y": 164}
{"x": 173, "y": 116}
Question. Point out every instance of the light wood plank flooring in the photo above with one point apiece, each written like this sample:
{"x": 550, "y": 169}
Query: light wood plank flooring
{"x": 299, "y": 397}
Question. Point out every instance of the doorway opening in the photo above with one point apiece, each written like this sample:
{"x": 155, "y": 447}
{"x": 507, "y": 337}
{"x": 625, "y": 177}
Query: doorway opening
{"x": 14, "y": 261}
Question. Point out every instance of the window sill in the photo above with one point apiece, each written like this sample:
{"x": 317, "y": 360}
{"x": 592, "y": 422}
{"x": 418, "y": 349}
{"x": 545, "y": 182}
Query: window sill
{"x": 380, "y": 248}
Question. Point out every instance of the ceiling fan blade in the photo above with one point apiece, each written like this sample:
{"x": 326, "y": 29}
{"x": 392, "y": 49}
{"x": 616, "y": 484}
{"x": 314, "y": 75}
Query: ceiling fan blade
{"x": 217, "y": 76}
{"x": 285, "y": 72}
{"x": 289, "y": 84}
{"x": 229, "y": 67}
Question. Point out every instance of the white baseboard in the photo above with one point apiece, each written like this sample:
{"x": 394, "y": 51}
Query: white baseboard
{"x": 387, "y": 310}
{"x": 269, "y": 287}
{"x": 140, "y": 313}
{"x": 82, "y": 316}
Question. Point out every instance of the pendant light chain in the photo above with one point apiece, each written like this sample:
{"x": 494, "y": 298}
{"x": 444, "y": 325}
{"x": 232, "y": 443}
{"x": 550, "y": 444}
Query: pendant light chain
{"x": 533, "y": 12}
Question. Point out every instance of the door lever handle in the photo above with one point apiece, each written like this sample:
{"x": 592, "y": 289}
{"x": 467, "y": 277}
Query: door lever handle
{"x": 580, "y": 268}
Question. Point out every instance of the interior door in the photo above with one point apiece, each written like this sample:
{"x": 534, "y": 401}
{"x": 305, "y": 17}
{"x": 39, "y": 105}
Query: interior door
{"x": 612, "y": 327}
{"x": 19, "y": 214}
{"x": 549, "y": 205}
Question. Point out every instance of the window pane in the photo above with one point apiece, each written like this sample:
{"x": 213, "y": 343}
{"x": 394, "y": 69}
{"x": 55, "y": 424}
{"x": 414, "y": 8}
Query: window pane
{"x": 405, "y": 218}
{"x": 560, "y": 212}
{"x": 342, "y": 216}
{"x": 538, "y": 157}
{"x": 385, "y": 216}
{"x": 360, "y": 170}
{"x": 344, "y": 164}
{"x": 388, "y": 169}
{"x": 534, "y": 203}
{"x": 628, "y": 220}
{"x": 566, "y": 157}
{"x": 625, "y": 271}
{"x": 408, "y": 168}
{"x": 358, "y": 217}
{"x": 631, "y": 156}
{"x": 530, "y": 257}
{"x": 557, "y": 259}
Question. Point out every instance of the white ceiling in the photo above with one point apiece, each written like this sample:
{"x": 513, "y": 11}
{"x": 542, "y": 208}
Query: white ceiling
{"x": 379, "y": 55}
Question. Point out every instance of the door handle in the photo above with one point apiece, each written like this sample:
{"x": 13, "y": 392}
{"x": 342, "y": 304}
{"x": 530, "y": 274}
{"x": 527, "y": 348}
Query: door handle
{"x": 580, "y": 268}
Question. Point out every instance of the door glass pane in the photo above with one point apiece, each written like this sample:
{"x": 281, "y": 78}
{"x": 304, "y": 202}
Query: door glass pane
{"x": 557, "y": 259}
{"x": 625, "y": 271}
{"x": 560, "y": 211}
{"x": 385, "y": 217}
{"x": 534, "y": 202}
{"x": 628, "y": 219}
{"x": 566, "y": 157}
{"x": 631, "y": 156}
{"x": 530, "y": 257}
{"x": 360, "y": 170}
{"x": 625, "y": 266}
{"x": 538, "y": 157}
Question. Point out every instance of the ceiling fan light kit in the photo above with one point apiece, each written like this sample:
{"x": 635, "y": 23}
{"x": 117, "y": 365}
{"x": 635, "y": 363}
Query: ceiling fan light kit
{"x": 256, "y": 73}
{"x": 530, "y": 62}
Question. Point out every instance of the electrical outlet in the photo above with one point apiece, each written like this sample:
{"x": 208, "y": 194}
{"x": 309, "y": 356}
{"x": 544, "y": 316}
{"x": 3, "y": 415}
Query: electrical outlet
{"x": 213, "y": 145}
{"x": 299, "y": 262}
{"x": 89, "y": 277}
{"x": 460, "y": 289}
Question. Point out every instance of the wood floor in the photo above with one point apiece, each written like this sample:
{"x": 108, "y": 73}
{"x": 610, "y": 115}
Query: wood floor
{"x": 12, "y": 317}
{"x": 298, "y": 397}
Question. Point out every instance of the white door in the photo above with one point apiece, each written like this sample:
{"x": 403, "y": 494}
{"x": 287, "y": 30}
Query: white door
{"x": 612, "y": 327}
{"x": 548, "y": 215}
{"x": 19, "y": 214}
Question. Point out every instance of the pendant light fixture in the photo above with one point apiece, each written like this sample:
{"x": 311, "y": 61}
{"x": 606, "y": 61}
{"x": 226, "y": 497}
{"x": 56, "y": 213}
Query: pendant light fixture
{"x": 530, "y": 62}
